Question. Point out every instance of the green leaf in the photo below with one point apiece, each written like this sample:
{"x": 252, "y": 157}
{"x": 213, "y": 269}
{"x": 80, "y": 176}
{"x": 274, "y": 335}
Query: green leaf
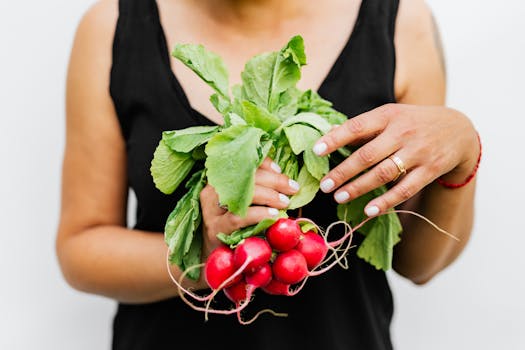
{"x": 288, "y": 103}
{"x": 287, "y": 70}
{"x": 259, "y": 117}
{"x": 310, "y": 119}
{"x": 382, "y": 232}
{"x": 268, "y": 75}
{"x": 302, "y": 138}
{"x": 378, "y": 245}
{"x": 186, "y": 140}
{"x": 233, "y": 119}
{"x": 169, "y": 168}
{"x": 193, "y": 257}
{"x": 237, "y": 236}
{"x": 309, "y": 187}
{"x": 286, "y": 159}
{"x": 184, "y": 220}
{"x": 221, "y": 103}
{"x": 256, "y": 78}
{"x": 208, "y": 65}
{"x": 310, "y": 101}
{"x": 233, "y": 157}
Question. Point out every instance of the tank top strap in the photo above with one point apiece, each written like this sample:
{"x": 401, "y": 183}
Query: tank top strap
{"x": 371, "y": 48}
{"x": 141, "y": 76}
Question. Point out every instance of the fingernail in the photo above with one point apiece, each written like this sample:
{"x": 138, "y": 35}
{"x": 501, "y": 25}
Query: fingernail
{"x": 327, "y": 185}
{"x": 319, "y": 148}
{"x": 294, "y": 185}
{"x": 275, "y": 167}
{"x": 341, "y": 197}
{"x": 284, "y": 199}
{"x": 273, "y": 211}
{"x": 372, "y": 211}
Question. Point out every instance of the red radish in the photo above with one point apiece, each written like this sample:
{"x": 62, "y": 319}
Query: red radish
{"x": 290, "y": 267}
{"x": 313, "y": 247}
{"x": 219, "y": 267}
{"x": 261, "y": 277}
{"x": 237, "y": 293}
{"x": 277, "y": 288}
{"x": 284, "y": 234}
{"x": 254, "y": 249}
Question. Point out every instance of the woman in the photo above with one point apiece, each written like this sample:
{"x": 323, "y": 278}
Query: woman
{"x": 378, "y": 61}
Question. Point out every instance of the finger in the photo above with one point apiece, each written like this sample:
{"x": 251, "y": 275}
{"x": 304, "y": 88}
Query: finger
{"x": 278, "y": 182}
{"x": 359, "y": 127}
{"x": 255, "y": 214}
{"x": 267, "y": 196}
{"x": 210, "y": 202}
{"x": 365, "y": 157}
{"x": 406, "y": 188}
{"x": 384, "y": 172}
{"x": 270, "y": 165}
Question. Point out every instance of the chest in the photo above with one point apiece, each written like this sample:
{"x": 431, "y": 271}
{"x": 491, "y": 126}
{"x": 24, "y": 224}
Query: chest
{"x": 325, "y": 29}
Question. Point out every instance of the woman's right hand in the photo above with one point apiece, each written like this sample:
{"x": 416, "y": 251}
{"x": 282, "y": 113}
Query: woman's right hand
{"x": 271, "y": 194}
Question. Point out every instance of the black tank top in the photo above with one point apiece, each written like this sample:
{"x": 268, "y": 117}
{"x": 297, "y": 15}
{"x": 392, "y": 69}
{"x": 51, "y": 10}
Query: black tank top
{"x": 343, "y": 309}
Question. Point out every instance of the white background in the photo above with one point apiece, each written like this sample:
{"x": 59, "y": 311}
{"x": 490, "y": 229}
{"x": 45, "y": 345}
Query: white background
{"x": 478, "y": 303}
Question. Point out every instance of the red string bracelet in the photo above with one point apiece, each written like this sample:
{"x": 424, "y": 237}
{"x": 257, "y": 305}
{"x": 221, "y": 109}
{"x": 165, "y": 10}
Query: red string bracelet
{"x": 469, "y": 178}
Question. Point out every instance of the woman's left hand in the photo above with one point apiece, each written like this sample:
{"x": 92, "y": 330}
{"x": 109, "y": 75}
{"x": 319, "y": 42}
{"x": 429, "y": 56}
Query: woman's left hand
{"x": 430, "y": 141}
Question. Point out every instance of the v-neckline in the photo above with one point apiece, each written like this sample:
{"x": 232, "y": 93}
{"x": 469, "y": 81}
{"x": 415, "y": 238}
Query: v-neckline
{"x": 201, "y": 118}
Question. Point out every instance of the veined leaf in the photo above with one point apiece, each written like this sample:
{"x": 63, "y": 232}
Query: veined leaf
{"x": 302, "y": 138}
{"x": 208, "y": 65}
{"x": 259, "y": 117}
{"x": 310, "y": 101}
{"x": 233, "y": 157}
{"x": 186, "y": 140}
{"x": 268, "y": 75}
{"x": 169, "y": 168}
{"x": 182, "y": 223}
{"x": 311, "y": 119}
{"x": 309, "y": 187}
{"x": 382, "y": 232}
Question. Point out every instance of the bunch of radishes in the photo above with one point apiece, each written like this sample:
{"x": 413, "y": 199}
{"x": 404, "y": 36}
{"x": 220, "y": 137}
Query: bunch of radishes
{"x": 273, "y": 264}
{"x": 284, "y": 256}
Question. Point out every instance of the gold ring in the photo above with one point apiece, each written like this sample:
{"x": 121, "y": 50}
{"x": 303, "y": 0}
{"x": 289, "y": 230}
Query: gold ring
{"x": 400, "y": 166}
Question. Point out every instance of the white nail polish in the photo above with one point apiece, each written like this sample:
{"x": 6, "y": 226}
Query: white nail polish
{"x": 275, "y": 167}
{"x": 284, "y": 199}
{"x": 372, "y": 211}
{"x": 341, "y": 197}
{"x": 327, "y": 185}
{"x": 319, "y": 148}
{"x": 294, "y": 185}
{"x": 273, "y": 211}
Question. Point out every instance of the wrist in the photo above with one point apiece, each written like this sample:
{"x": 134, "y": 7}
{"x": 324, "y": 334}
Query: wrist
{"x": 466, "y": 170}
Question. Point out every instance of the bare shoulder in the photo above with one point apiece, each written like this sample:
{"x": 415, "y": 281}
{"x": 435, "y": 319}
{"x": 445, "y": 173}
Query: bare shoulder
{"x": 418, "y": 52}
{"x": 100, "y": 18}
{"x": 93, "y": 176}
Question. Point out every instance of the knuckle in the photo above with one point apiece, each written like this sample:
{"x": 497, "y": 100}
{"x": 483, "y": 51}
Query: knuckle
{"x": 354, "y": 126}
{"x": 353, "y": 190}
{"x": 338, "y": 175}
{"x": 403, "y": 191}
{"x": 384, "y": 173}
{"x": 390, "y": 110}
{"x": 366, "y": 155}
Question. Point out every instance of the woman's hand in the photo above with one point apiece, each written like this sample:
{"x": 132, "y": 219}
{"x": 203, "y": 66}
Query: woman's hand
{"x": 430, "y": 141}
{"x": 271, "y": 194}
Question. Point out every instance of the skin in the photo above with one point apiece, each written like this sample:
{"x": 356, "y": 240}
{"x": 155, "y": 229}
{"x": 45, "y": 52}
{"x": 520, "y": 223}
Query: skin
{"x": 98, "y": 254}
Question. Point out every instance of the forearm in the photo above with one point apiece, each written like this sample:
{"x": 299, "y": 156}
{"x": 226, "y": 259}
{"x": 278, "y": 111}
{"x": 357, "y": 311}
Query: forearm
{"x": 126, "y": 265}
{"x": 424, "y": 251}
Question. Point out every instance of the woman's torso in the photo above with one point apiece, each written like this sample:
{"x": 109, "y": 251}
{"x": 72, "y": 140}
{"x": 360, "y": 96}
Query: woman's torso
{"x": 340, "y": 310}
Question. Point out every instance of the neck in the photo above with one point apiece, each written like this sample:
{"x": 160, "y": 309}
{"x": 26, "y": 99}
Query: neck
{"x": 252, "y": 15}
